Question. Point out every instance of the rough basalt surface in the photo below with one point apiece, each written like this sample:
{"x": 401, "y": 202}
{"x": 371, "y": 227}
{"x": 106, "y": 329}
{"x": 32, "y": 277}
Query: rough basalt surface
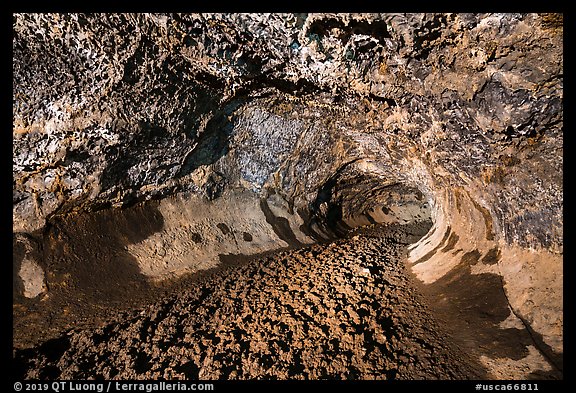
{"x": 277, "y": 317}
{"x": 154, "y": 125}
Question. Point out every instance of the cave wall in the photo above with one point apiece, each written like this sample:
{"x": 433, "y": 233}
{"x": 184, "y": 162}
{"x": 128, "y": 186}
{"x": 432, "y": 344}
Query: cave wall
{"x": 458, "y": 115}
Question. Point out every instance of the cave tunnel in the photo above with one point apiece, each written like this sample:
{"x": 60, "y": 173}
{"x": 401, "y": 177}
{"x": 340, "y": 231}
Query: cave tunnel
{"x": 206, "y": 196}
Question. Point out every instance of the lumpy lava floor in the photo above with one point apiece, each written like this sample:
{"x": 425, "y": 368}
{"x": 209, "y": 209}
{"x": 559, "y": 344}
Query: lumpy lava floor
{"x": 341, "y": 310}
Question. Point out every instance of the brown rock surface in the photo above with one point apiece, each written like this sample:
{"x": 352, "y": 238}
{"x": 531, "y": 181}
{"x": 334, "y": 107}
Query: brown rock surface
{"x": 145, "y": 145}
{"x": 342, "y": 310}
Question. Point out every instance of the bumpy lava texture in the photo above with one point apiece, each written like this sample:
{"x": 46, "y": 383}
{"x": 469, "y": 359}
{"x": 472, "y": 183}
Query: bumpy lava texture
{"x": 343, "y": 310}
{"x": 148, "y": 147}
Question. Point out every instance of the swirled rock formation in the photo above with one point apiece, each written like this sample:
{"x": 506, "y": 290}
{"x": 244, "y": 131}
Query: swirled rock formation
{"x": 150, "y": 146}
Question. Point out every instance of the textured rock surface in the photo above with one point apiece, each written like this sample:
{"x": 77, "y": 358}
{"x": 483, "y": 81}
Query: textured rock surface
{"x": 339, "y": 311}
{"x": 340, "y": 116}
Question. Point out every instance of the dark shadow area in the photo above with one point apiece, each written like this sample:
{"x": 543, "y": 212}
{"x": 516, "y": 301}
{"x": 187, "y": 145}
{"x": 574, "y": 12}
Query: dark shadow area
{"x": 323, "y": 27}
{"x": 280, "y": 225}
{"x": 223, "y": 228}
{"x": 213, "y": 142}
{"x": 326, "y": 211}
{"x": 18, "y": 254}
{"x": 473, "y": 306}
{"x": 91, "y": 249}
{"x": 51, "y": 351}
{"x": 88, "y": 270}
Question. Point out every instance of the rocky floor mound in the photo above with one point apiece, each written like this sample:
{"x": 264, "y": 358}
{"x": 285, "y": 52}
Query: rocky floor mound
{"x": 342, "y": 310}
